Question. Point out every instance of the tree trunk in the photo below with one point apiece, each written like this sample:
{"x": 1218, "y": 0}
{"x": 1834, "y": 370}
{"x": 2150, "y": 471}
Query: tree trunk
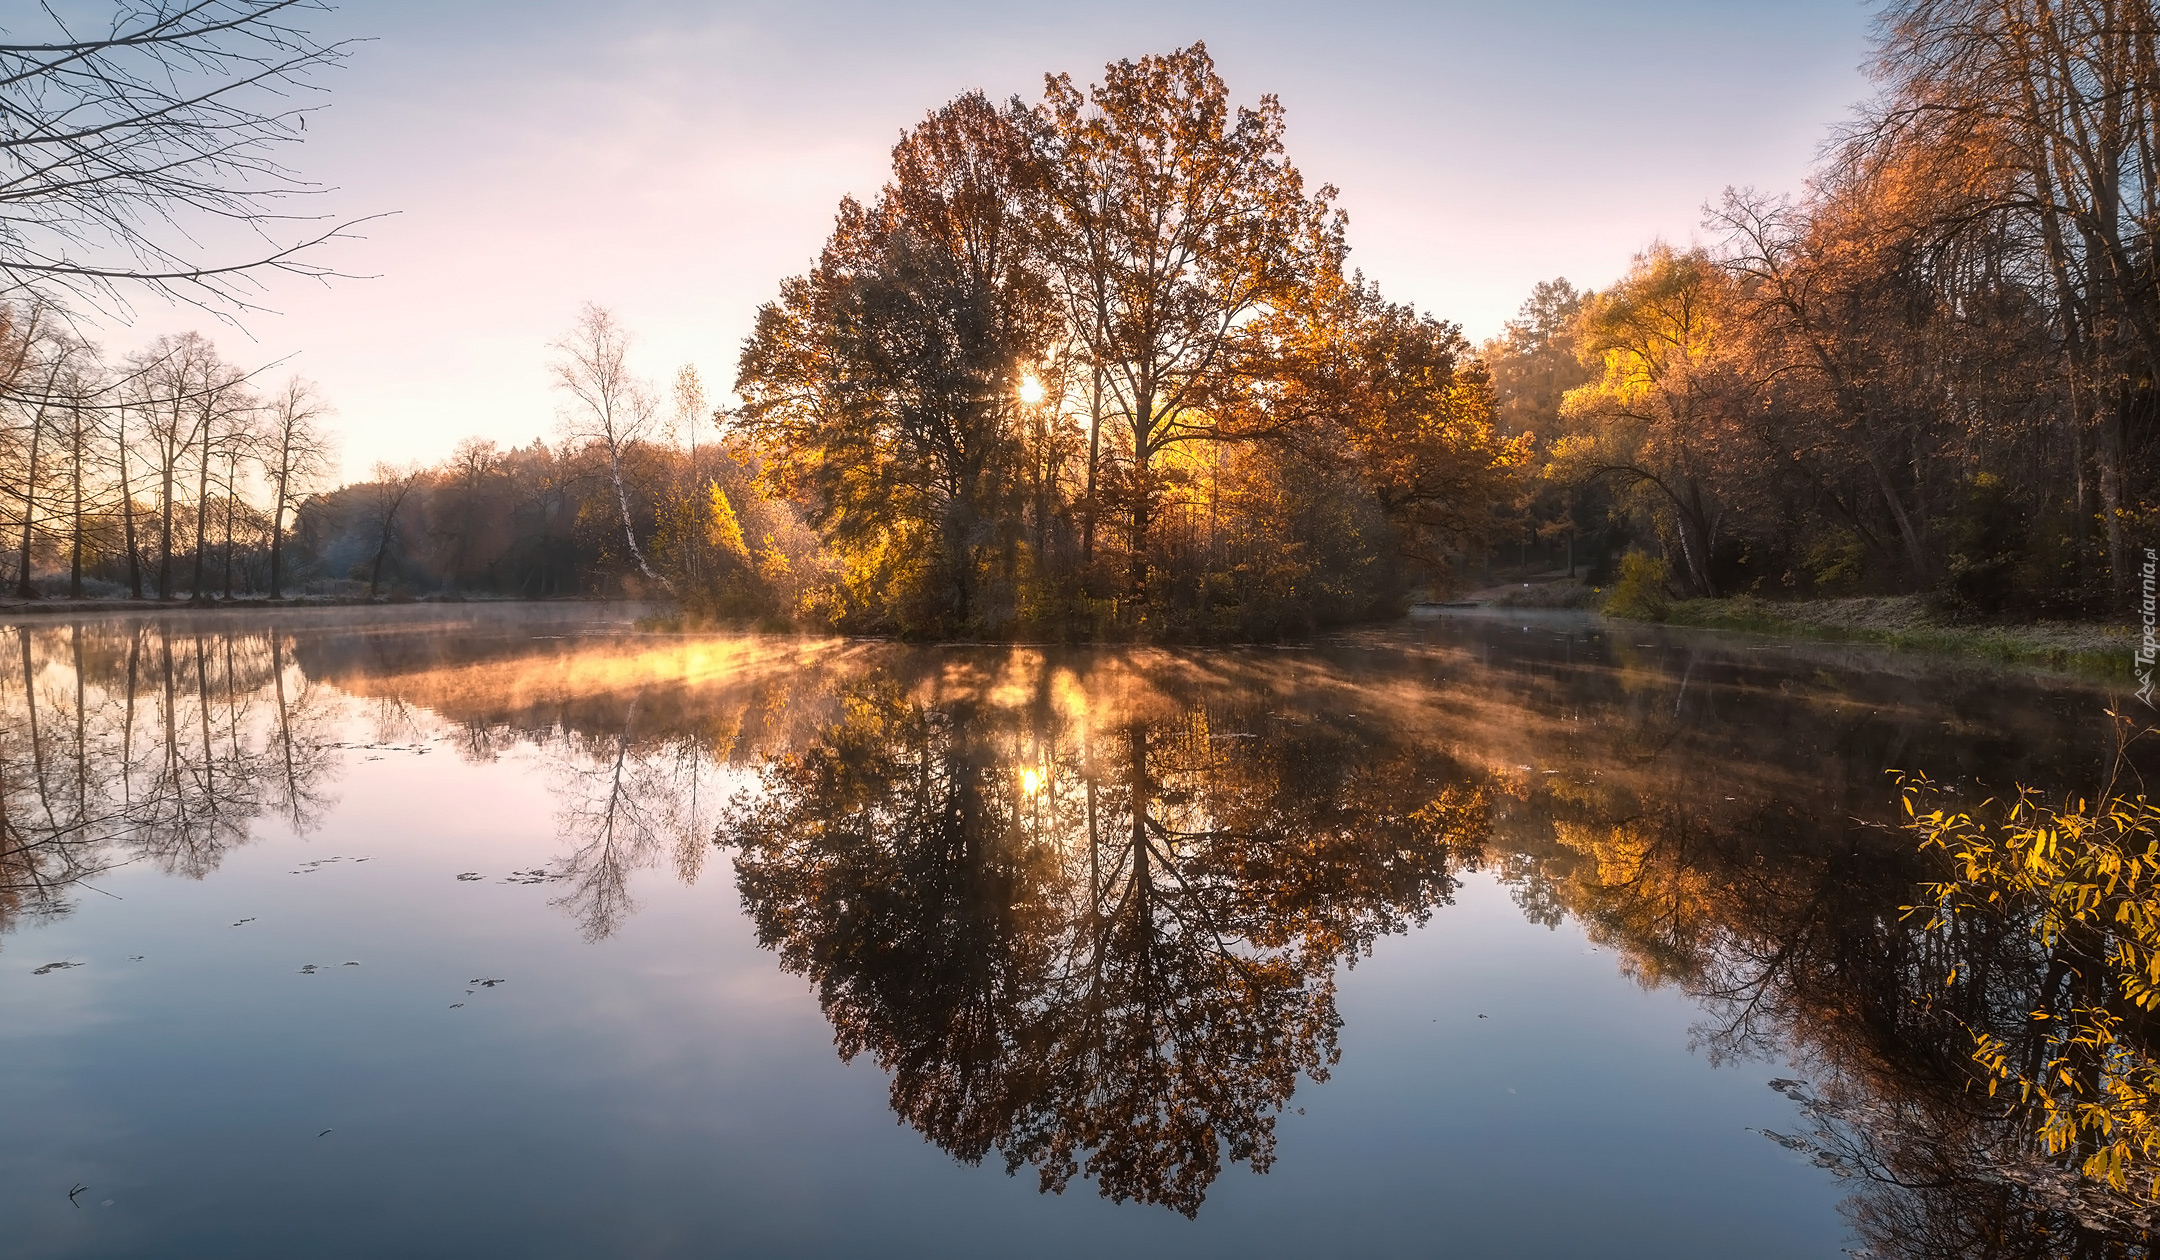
{"x": 382, "y": 547}
{"x": 75, "y": 530}
{"x": 169, "y": 467}
{"x": 231, "y": 472}
{"x": 127, "y": 512}
{"x": 622, "y": 503}
{"x": 2111, "y": 493}
{"x": 1143, "y": 425}
{"x": 37, "y": 431}
{"x": 1137, "y": 569}
{"x": 202, "y": 515}
{"x": 1094, "y": 465}
{"x": 277, "y": 535}
{"x": 1916, "y": 557}
{"x": 1695, "y": 532}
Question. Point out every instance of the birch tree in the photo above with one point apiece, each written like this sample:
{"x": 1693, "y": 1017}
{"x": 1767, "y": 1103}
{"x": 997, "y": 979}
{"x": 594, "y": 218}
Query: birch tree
{"x": 606, "y": 405}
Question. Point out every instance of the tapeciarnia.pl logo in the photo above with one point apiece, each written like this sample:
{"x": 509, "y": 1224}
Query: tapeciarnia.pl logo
{"x": 2149, "y": 616}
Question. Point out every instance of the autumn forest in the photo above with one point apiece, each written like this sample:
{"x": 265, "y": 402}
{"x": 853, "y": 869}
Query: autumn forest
{"x": 1078, "y": 659}
{"x": 1100, "y": 366}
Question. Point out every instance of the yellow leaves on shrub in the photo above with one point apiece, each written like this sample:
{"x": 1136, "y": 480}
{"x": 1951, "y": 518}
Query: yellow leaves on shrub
{"x": 2084, "y": 882}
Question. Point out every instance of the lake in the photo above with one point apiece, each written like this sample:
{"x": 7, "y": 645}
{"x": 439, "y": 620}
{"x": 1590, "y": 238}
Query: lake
{"x": 478, "y": 930}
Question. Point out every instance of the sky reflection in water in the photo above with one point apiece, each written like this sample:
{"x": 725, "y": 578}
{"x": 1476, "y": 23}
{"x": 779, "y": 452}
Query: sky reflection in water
{"x": 1105, "y": 918}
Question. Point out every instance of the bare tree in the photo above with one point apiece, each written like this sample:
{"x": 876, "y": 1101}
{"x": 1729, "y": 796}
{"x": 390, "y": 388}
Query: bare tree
{"x": 473, "y": 466}
{"x": 42, "y": 352}
{"x": 118, "y": 145}
{"x": 223, "y": 408}
{"x": 165, "y": 375}
{"x": 392, "y": 486}
{"x": 83, "y": 432}
{"x": 243, "y": 444}
{"x": 295, "y": 452}
{"x": 690, "y": 408}
{"x": 607, "y": 405}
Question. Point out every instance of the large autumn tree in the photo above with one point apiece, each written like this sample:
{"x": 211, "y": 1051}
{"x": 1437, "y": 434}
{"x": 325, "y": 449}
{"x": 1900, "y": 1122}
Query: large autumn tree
{"x": 1341, "y": 377}
{"x": 887, "y": 383}
{"x": 1177, "y": 222}
{"x": 1120, "y": 306}
{"x": 1664, "y": 418}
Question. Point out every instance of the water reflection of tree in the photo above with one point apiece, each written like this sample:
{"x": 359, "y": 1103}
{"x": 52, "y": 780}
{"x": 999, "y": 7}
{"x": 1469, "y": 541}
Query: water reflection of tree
{"x": 1789, "y": 929}
{"x": 634, "y": 733}
{"x": 1089, "y": 921}
{"x": 1099, "y": 949}
{"x": 122, "y": 742}
{"x": 622, "y": 802}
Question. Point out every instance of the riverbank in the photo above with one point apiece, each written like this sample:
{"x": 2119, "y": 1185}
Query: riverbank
{"x": 1908, "y": 622}
{"x": 61, "y": 606}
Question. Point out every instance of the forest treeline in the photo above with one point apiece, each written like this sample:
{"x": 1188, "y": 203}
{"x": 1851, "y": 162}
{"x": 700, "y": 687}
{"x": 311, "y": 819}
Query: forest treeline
{"x": 1932, "y": 371}
{"x": 1097, "y": 366}
{"x": 1092, "y": 366}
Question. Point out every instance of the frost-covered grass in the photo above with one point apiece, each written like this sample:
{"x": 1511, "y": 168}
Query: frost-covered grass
{"x": 1908, "y": 621}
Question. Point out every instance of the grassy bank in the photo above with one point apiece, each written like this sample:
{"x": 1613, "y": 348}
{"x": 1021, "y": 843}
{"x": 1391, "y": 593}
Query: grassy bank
{"x": 1908, "y": 622}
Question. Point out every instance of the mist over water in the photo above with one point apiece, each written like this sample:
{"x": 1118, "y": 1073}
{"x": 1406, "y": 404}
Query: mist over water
{"x": 523, "y": 931}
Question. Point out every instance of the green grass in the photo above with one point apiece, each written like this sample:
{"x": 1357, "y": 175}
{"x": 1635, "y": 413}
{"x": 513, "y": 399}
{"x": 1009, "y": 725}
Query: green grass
{"x": 1907, "y": 625}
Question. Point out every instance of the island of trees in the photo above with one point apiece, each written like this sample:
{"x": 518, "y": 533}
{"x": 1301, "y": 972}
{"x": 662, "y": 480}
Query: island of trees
{"x": 1098, "y": 366}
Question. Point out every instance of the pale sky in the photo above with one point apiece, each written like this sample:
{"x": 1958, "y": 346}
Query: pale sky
{"x": 674, "y": 160}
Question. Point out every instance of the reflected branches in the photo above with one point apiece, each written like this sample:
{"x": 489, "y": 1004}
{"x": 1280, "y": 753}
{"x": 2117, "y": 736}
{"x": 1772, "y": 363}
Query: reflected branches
{"x": 1088, "y": 910}
{"x": 621, "y": 805}
{"x": 123, "y": 743}
{"x": 1099, "y": 943}
{"x": 1791, "y": 931}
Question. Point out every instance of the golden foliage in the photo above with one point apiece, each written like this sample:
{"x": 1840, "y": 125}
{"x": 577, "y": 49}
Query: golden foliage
{"x": 722, "y": 530}
{"x": 2084, "y": 883}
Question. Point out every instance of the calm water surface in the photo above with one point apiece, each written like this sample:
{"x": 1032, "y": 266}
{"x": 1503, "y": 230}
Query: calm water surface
{"x": 446, "y": 933}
